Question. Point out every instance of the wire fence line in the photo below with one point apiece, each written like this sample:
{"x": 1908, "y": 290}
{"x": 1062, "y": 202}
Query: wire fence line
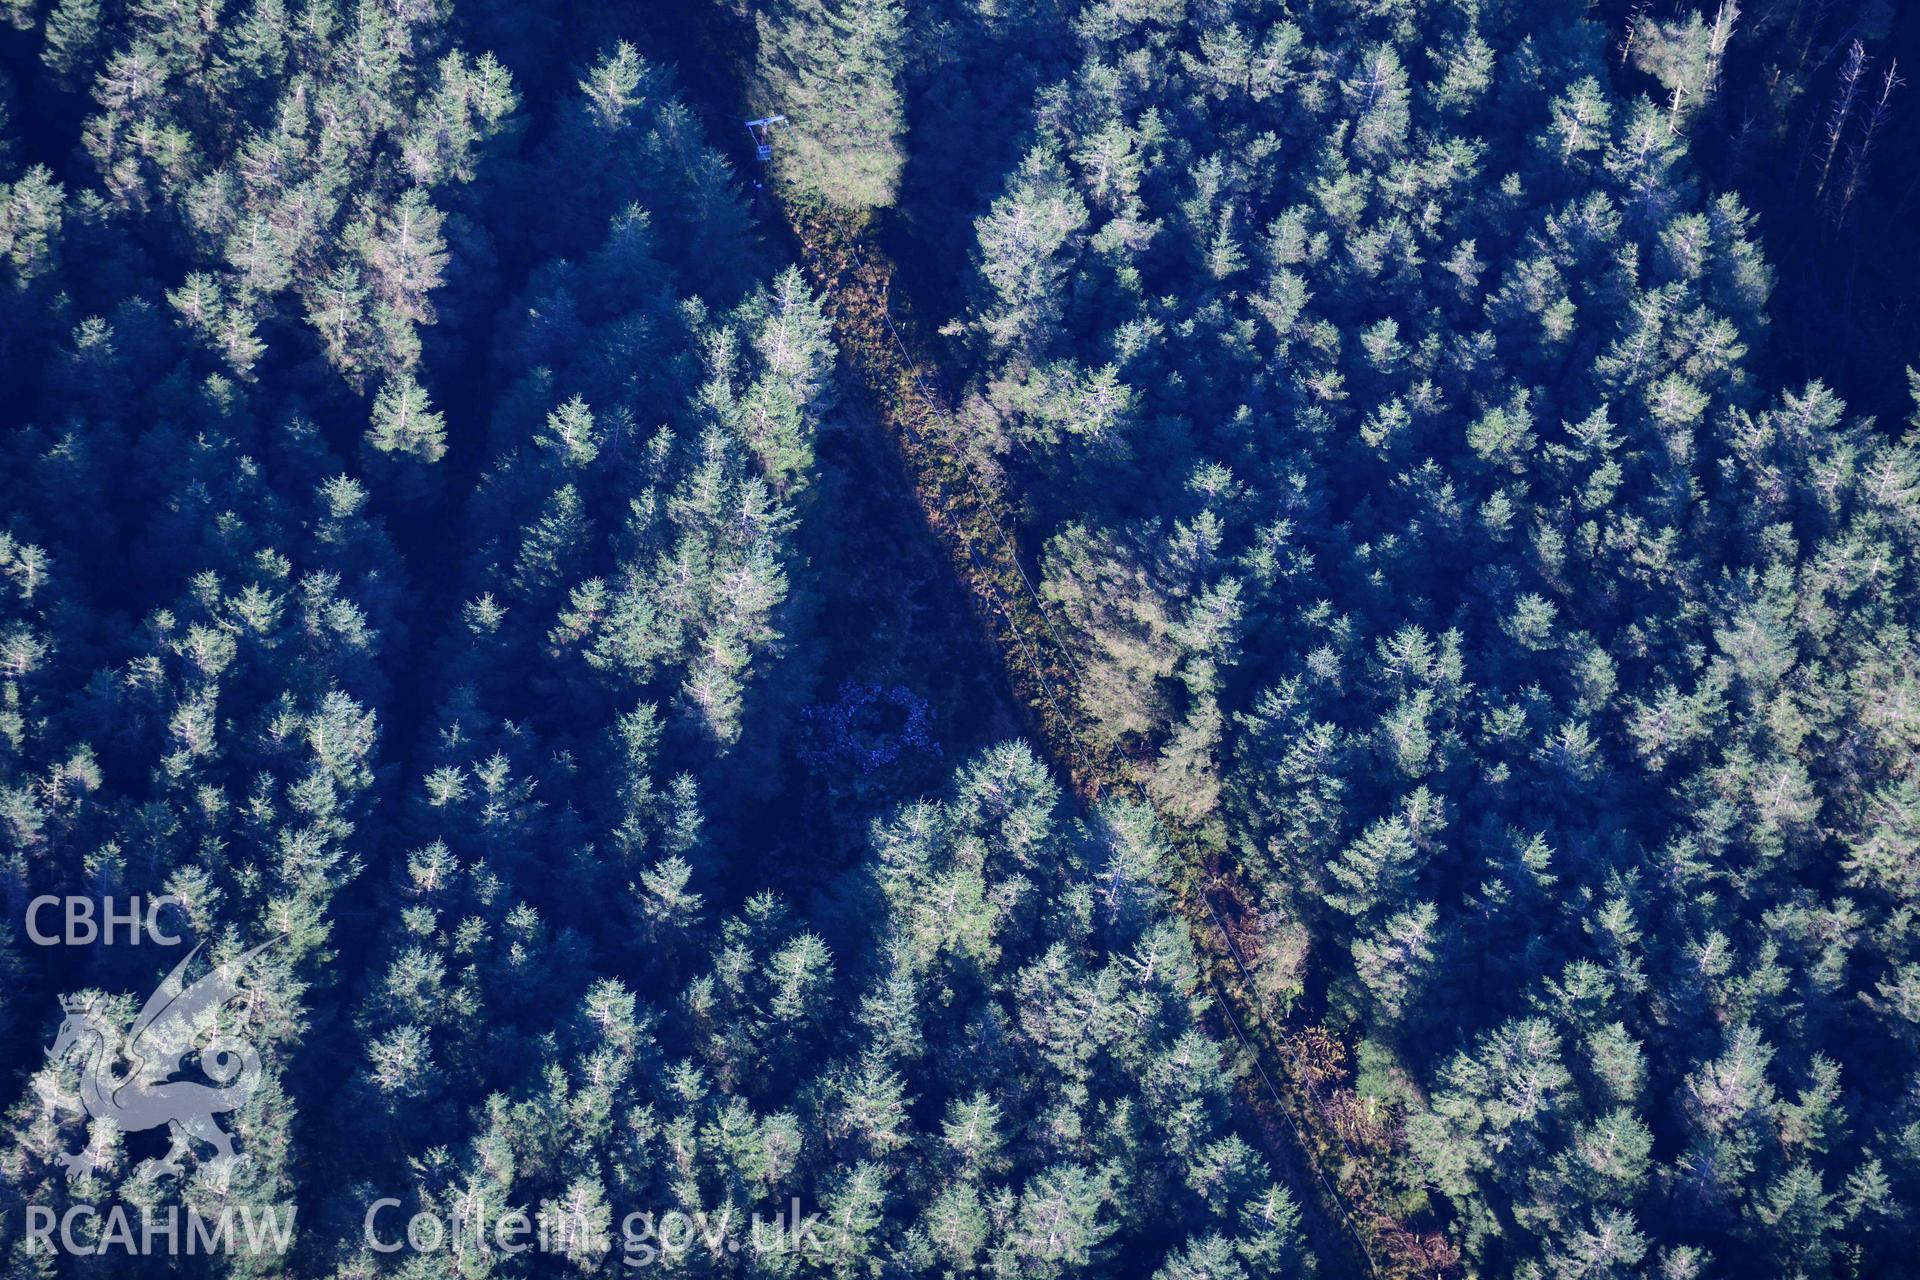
{"x": 936, "y": 406}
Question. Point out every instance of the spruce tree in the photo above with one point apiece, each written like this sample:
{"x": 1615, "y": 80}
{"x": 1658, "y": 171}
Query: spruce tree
{"x": 833, "y": 68}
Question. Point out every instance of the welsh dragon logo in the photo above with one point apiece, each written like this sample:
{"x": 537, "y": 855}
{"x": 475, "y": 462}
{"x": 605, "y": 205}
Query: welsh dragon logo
{"x": 155, "y": 1049}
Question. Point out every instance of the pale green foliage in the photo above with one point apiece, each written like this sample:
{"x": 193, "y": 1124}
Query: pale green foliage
{"x": 833, "y": 68}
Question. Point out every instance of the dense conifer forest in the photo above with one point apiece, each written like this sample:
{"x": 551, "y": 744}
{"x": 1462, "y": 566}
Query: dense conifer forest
{"x": 1193, "y": 639}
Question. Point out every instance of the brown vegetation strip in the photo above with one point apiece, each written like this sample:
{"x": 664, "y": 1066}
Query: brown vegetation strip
{"x": 966, "y": 505}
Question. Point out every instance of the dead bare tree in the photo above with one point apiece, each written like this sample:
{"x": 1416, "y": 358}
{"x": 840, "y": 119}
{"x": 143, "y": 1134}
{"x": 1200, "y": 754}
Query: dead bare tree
{"x": 1859, "y": 154}
{"x": 1848, "y": 93}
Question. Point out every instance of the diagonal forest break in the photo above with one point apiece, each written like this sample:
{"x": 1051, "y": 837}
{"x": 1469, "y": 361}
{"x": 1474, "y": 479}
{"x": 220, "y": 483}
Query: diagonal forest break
{"x": 1290, "y": 1066}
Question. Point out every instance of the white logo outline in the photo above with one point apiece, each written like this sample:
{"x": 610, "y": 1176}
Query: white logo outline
{"x": 156, "y": 1048}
